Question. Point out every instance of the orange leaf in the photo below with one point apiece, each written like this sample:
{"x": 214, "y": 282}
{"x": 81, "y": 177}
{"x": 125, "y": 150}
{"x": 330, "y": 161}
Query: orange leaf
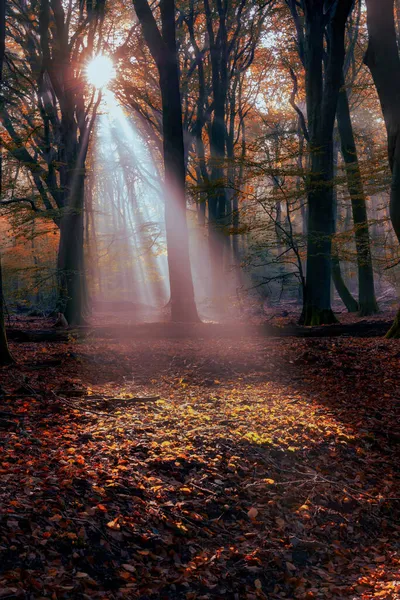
{"x": 114, "y": 524}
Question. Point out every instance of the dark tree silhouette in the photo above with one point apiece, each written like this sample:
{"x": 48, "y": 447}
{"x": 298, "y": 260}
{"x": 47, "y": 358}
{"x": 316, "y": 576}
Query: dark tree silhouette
{"x": 5, "y": 355}
{"x": 162, "y": 45}
{"x": 382, "y": 59}
{"x": 323, "y": 80}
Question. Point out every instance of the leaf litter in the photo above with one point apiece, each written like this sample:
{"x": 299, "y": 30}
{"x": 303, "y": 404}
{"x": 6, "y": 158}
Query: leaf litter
{"x": 193, "y": 470}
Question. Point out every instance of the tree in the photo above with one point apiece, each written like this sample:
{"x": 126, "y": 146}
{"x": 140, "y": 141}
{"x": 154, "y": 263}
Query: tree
{"x": 382, "y": 59}
{"x": 162, "y": 45}
{"x": 366, "y": 291}
{"x": 215, "y": 148}
{"x": 5, "y": 355}
{"x": 49, "y": 133}
{"x": 337, "y": 278}
{"x": 323, "y": 76}
{"x": 223, "y": 51}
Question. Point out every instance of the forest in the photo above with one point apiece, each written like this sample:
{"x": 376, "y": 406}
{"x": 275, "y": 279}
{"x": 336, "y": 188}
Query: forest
{"x": 199, "y": 299}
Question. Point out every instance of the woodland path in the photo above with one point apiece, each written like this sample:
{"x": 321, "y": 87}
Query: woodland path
{"x": 196, "y": 469}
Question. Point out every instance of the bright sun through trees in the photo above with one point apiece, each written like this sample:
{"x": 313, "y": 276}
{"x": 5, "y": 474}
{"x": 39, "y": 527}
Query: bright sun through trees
{"x": 100, "y": 71}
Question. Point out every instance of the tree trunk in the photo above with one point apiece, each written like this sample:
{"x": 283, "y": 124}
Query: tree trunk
{"x": 71, "y": 272}
{"x": 341, "y": 288}
{"x": 382, "y": 59}
{"x": 317, "y": 297}
{"x": 183, "y": 307}
{"x": 322, "y": 90}
{"x": 366, "y": 291}
{"x": 217, "y": 197}
{"x": 163, "y": 49}
{"x": 217, "y": 208}
{"x": 338, "y": 281}
{"x": 238, "y": 191}
{"x": 5, "y": 355}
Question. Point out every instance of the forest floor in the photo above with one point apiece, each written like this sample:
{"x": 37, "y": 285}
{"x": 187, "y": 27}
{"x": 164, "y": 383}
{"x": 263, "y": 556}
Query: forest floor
{"x": 192, "y": 469}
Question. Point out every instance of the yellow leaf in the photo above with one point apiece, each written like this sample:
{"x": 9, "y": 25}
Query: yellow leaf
{"x": 114, "y": 524}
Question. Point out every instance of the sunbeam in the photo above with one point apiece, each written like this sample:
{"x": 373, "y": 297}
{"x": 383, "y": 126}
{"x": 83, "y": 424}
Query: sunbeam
{"x": 129, "y": 201}
{"x": 129, "y": 215}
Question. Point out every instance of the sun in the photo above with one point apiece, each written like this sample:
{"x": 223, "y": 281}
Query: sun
{"x": 100, "y": 71}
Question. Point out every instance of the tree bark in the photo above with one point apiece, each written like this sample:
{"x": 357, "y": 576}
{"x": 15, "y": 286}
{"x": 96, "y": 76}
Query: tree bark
{"x": 366, "y": 290}
{"x": 341, "y": 288}
{"x": 338, "y": 281}
{"x": 382, "y": 59}
{"x": 217, "y": 197}
{"x": 71, "y": 272}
